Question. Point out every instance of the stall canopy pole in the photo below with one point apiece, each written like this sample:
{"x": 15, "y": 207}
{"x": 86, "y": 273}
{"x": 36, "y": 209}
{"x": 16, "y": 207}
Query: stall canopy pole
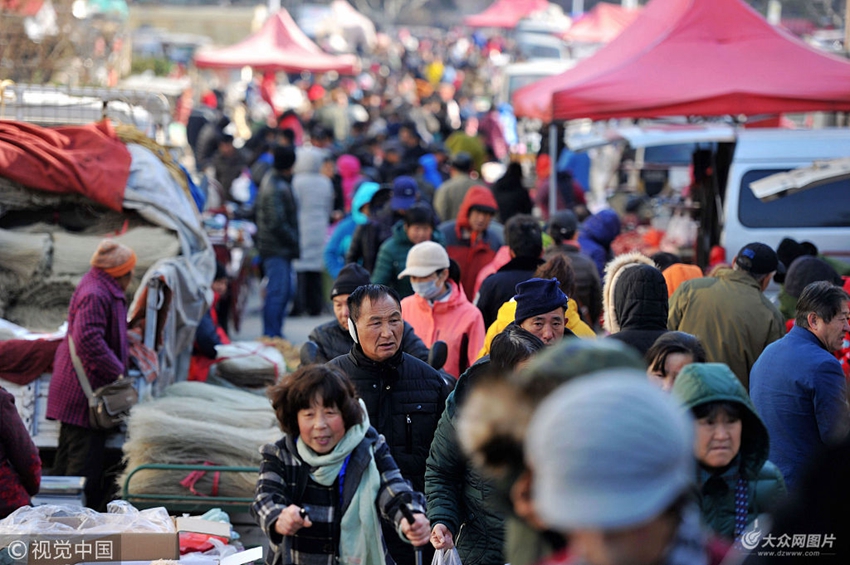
{"x": 553, "y": 169}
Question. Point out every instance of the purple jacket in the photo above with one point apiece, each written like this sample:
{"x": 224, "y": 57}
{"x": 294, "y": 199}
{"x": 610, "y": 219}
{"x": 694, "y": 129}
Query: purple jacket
{"x": 20, "y": 465}
{"x": 97, "y": 320}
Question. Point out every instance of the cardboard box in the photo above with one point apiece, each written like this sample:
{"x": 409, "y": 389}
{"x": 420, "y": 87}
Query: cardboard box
{"x": 71, "y": 549}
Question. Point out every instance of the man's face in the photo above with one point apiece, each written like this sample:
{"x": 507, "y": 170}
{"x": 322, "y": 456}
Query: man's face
{"x": 831, "y": 333}
{"x": 549, "y": 327}
{"x": 379, "y": 328}
{"x": 340, "y": 302}
{"x": 417, "y": 233}
{"x": 479, "y": 221}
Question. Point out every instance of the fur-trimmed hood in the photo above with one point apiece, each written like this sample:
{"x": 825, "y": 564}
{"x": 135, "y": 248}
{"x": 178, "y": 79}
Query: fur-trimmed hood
{"x": 613, "y": 271}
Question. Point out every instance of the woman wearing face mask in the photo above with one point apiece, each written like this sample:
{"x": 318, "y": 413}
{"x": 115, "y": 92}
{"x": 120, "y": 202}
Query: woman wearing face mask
{"x": 736, "y": 482}
{"x": 439, "y": 310}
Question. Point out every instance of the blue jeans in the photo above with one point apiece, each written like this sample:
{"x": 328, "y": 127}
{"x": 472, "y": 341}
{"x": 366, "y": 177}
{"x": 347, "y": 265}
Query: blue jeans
{"x": 278, "y": 293}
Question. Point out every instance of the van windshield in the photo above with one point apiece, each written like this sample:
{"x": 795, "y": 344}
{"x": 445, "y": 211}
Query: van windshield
{"x": 823, "y": 206}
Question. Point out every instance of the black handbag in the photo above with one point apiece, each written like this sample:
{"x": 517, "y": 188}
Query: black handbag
{"x": 110, "y": 404}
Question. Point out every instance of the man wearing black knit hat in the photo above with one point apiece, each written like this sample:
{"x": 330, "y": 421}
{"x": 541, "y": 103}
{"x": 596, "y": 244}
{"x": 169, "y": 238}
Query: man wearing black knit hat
{"x": 333, "y": 338}
{"x": 541, "y": 308}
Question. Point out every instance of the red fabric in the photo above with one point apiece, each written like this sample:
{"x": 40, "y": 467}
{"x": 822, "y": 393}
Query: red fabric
{"x": 22, "y": 361}
{"x": 693, "y": 57}
{"x": 505, "y": 13}
{"x": 279, "y": 46}
{"x": 23, "y": 8}
{"x": 87, "y": 160}
{"x": 602, "y": 24}
{"x": 502, "y": 258}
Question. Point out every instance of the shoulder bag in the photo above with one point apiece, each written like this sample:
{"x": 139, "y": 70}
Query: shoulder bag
{"x": 110, "y": 404}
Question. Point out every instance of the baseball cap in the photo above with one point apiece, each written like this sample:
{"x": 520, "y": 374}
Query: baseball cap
{"x": 405, "y": 192}
{"x": 564, "y": 223}
{"x": 609, "y": 451}
{"x": 462, "y": 161}
{"x": 424, "y": 259}
{"x": 758, "y": 259}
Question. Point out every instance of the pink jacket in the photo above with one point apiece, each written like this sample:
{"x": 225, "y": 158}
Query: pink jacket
{"x": 447, "y": 321}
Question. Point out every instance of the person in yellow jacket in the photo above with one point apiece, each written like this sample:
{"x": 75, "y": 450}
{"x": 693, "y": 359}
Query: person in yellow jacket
{"x": 557, "y": 267}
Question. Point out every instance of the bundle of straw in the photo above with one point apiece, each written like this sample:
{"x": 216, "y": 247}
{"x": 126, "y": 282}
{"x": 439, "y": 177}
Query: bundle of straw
{"x": 198, "y": 423}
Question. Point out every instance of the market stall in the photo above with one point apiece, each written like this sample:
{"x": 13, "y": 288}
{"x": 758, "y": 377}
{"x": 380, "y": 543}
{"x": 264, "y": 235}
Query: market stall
{"x": 693, "y": 58}
{"x": 279, "y": 45}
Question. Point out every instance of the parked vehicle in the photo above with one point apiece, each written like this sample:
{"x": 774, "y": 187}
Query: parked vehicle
{"x": 727, "y": 160}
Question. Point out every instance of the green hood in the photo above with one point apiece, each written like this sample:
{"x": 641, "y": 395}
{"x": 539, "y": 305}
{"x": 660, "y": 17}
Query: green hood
{"x": 701, "y": 383}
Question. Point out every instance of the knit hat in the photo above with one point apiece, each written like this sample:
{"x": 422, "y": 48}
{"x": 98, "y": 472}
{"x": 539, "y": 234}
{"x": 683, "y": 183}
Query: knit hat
{"x": 758, "y": 259}
{"x": 350, "y": 277}
{"x": 537, "y": 296}
{"x": 284, "y": 157}
{"x": 806, "y": 270}
{"x": 405, "y": 192}
{"x": 563, "y": 225}
{"x": 424, "y": 259}
{"x": 113, "y": 258}
{"x": 609, "y": 451}
{"x": 573, "y": 357}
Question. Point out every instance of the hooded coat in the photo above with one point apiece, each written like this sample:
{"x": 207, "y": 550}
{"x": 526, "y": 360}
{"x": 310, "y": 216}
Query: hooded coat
{"x": 635, "y": 301}
{"x": 765, "y": 485}
{"x": 470, "y": 250}
{"x": 337, "y": 246}
{"x": 349, "y": 169}
{"x": 455, "y": 321}
{"x": 314, "y": 196}
{"x": 597, "y": 233}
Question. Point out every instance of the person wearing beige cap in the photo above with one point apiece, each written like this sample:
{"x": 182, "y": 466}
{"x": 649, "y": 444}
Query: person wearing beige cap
{"x": 97, "y": 323}
{"x": 438, "y": 310}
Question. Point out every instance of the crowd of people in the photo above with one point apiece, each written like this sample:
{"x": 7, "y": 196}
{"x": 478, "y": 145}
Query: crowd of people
{"x": 586, "y": 406}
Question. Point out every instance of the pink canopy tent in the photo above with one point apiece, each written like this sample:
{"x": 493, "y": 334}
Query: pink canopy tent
{"x": 601, "y": 24}
{"x": 505, "y": 13}
{"x": 279, "y": 45}
{"x": 693, "y": 57}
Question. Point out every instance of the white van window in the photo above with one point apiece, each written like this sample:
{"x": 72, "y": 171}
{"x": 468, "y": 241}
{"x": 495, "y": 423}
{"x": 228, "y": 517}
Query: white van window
{"x": 823, "y": 206}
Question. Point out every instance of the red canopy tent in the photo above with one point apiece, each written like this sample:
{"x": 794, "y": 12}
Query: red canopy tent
{"x": 693, "y": 57}
{"x": 505, "y": 13}
{"x": 279, "y": 45}
{"x": 601, "y": 24}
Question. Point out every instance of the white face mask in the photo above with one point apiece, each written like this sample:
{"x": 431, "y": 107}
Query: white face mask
{"x": 427, "y": 290}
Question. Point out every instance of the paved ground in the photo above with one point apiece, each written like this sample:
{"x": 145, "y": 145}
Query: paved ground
{"x": 296, "y": 329}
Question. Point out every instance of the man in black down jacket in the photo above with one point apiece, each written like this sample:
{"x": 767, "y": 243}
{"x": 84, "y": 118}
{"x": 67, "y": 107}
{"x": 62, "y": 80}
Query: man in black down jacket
{"x": 404, "y": 396}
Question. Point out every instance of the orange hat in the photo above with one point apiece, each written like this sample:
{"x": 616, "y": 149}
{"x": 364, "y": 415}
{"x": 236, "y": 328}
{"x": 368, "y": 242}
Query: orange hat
{"x": 113, "y": 258}
{"x": 678, "y": 273}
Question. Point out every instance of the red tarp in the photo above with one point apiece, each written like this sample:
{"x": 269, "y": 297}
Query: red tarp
{"x": 505, "y": 13}
{"x": 602, "y": 24}
{"x": 693, "y": 57}
{"x": 280, "y": 45}
{"x": 88, "y": 160}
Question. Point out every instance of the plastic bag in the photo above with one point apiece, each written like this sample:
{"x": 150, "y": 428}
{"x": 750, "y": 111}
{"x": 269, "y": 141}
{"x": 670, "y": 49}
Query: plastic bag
{"x": 65, "y": 519}
{"x": 446, "y": 557}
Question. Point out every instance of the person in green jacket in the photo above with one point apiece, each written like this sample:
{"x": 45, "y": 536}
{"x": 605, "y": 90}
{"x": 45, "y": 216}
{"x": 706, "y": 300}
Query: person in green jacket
{"x": 463, "y": 504}
{"x": 735, "y": 480}
{"x": 416, "y": 227}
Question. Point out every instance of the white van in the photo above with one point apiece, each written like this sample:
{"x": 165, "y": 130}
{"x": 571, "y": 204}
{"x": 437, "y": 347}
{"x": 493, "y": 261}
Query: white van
{"x": 726, "y": 163}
